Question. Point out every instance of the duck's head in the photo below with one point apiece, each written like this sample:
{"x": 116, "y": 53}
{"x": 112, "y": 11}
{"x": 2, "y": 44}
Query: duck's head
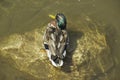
{"x": 61, "y": 20}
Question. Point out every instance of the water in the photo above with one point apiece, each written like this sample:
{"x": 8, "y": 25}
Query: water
{"x": 18, "y": 16}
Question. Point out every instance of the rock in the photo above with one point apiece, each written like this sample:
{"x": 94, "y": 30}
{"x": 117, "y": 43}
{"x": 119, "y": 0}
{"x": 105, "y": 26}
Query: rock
{"x": 88, "y": 55}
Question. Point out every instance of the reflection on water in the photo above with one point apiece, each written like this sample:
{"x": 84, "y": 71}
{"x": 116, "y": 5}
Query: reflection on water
{"x": 18, "y": 16}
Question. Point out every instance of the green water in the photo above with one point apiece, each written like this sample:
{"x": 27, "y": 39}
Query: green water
{"x": 19, "y": 16}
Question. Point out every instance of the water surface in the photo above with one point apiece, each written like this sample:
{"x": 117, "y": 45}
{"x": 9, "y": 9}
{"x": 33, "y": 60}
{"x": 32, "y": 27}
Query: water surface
{"x": 19, "y": 16}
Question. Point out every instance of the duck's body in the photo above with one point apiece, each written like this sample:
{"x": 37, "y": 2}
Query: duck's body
{"x": 55, "y": 42}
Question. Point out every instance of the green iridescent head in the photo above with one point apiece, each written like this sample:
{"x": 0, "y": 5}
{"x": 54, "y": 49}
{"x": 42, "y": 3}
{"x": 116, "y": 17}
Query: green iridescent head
{"x": 61, "y": 21}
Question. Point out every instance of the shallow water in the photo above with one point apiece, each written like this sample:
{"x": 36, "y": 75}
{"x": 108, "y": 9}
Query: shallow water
{"x": 18, "y": 16}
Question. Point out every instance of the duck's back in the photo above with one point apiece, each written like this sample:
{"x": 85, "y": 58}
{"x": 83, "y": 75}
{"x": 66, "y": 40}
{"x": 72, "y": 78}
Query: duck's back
{"x": 57, "y": 41}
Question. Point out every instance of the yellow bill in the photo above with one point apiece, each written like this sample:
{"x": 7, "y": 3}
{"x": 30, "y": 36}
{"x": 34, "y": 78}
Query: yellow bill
{"x": 51, "y": 16}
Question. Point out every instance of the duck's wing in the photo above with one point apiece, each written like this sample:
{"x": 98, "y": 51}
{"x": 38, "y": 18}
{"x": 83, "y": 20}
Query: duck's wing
{"x": 62, "y": 43}
{"x": 50, "y": 39}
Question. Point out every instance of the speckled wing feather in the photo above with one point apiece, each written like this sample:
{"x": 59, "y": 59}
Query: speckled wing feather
{"x": 62, "y": 43}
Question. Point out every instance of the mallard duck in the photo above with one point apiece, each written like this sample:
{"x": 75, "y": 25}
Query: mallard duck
{"x": 56, "y": 39}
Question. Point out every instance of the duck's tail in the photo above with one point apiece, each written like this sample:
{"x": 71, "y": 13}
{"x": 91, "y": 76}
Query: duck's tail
{"x": 57, "y": 63}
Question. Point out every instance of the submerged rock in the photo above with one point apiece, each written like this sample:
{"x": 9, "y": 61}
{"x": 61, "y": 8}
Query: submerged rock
{"x": 88, "y": 56}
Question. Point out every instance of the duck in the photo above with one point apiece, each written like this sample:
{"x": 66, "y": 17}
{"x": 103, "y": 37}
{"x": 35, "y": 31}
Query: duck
{"x": 56, "y": 39}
